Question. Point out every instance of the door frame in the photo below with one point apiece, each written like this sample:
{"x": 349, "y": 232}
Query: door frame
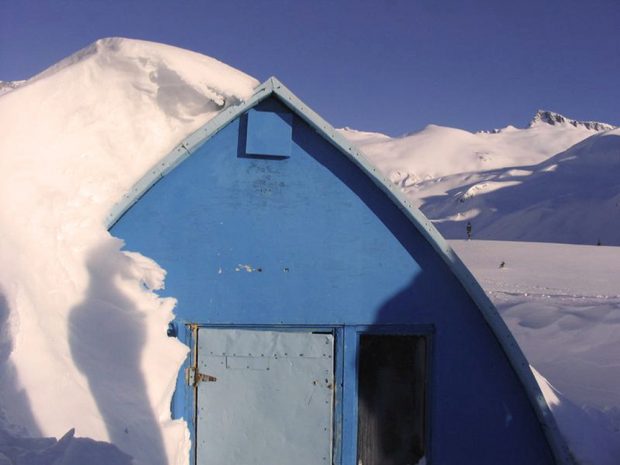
{"x": 346, "y": 341}
{"x": 190, "y": 394}
{"x": 350, "y": 411}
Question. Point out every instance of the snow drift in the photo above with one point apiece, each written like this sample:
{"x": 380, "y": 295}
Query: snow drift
{"x": 83, "y": 336}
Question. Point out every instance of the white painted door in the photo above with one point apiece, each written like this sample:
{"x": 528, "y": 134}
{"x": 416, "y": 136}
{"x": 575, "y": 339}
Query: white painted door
{"x": 271, "y": 400}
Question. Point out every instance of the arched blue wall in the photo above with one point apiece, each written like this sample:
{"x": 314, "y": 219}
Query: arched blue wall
{"x": 310, "y": 240}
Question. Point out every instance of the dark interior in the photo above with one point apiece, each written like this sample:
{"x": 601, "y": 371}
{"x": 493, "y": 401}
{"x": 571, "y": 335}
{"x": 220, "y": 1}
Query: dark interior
{"x": 392, "y": 399}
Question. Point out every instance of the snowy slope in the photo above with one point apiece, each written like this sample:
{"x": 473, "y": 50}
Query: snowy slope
{"x": 83, "y": 342}
{"x": 553, "y": 181}
{"x": 562, "y": 303}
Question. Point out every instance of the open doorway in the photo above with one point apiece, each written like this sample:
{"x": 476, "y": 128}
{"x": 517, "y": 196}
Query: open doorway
{"x": 392, "y": 403}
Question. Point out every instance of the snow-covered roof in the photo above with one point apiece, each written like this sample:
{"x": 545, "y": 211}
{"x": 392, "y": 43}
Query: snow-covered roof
{"x": 75, "y": 138}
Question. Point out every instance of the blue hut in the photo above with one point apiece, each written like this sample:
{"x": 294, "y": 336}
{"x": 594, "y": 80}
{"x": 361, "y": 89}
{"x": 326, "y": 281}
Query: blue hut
{"x": 329, "y": 322}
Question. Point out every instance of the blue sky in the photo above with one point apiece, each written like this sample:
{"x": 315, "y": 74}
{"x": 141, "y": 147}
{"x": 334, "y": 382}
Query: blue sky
{"x": 384, "y": 65}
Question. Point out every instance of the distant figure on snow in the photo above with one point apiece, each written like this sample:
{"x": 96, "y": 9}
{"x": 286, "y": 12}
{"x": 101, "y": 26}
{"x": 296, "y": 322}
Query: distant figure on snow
{"x": 468, "y": 230}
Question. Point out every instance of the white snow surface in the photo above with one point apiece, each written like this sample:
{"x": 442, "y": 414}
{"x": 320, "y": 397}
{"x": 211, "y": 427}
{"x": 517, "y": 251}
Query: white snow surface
{"x": 562, "y": 304}
{"x": 545, "y": 183}
{"x": 82, "y": 334}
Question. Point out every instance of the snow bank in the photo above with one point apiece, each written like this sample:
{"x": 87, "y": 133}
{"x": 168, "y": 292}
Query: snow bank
{"x": 562, "y": 304}
{"x": 82, "y": 334}
{"x": 591, "y": 439}
{"x": 68, "y": 450}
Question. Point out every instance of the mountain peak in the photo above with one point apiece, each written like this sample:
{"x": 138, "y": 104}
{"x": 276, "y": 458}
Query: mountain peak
{"x": 8, "y": 86}
{"x": 552, "y": 118}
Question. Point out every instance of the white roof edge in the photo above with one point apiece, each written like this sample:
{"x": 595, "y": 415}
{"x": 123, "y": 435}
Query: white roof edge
{"x": 273, "y": 86}
{"x": 184, "y": 150}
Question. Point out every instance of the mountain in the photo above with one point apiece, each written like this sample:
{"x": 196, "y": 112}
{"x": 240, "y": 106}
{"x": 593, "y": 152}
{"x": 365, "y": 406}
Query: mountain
{"x": 553, "y": 181}
{"x": 8, "y": 86}
{"x": 549, "y": 117}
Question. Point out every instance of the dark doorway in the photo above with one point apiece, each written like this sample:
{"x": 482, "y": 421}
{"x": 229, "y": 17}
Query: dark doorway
{"x": 392, "y": 378}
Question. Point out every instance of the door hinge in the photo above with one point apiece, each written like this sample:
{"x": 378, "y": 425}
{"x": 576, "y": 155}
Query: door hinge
{"x": 194, "y": 377}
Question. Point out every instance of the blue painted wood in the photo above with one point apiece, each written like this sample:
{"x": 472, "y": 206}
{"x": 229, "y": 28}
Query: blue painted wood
{"x": 311, "y": 240}
{"x": 349, "y": 401}
{"x": 273, "y": 87}
{"x": 182, "y": 398}
{"x": 269, "y": 133}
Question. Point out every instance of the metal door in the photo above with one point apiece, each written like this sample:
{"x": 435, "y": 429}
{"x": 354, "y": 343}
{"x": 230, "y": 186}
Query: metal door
{"x": 267, "y": 397}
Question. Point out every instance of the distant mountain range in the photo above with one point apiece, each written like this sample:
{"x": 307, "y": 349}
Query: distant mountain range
{"x": 555, "y": 181}
{"x": 549, "y": 117}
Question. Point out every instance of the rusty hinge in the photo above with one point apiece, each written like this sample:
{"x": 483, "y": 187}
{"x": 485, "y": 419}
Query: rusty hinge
{"x": 194, "y": 377}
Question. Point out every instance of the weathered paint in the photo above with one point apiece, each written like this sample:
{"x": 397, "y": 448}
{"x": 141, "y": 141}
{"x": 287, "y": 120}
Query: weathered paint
{"x": 313, "y": 240}
{"x": 270, "y": 400}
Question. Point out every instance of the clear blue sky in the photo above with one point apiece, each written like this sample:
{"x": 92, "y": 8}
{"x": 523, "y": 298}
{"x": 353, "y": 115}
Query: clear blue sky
{"x": 384, "y": 65}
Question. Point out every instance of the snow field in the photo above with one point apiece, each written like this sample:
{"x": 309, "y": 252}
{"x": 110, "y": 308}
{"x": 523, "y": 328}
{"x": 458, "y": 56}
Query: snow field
{"x": 562, "y": 303}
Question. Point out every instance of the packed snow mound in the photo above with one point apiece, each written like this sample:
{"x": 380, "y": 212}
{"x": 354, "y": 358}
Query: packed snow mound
{"x": 592, "y": 438}
{"x": 82, "y": 334}
{"x": 549, "y": 117}
{"x": 549, "y": 183}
